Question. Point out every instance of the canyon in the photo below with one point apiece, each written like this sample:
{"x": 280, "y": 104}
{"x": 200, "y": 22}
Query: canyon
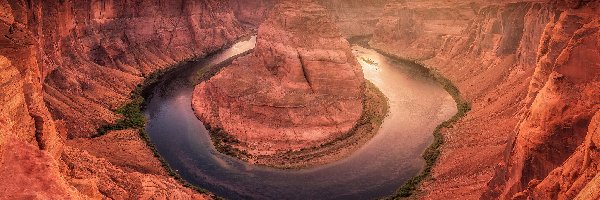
{"x": 530, "y": 70}
{"x": 300, "y": 89}
{"x": 66, "y": 65}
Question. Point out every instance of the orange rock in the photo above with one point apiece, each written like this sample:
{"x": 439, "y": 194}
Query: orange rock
{"x": 520, "y": 64}
{"x": 65, "y": 65}
{"x": 301, "y": 86}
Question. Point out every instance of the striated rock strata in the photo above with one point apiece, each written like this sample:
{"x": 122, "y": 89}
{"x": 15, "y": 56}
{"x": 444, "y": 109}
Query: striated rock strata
{"x": 530, "y": 70}
{"x": 355, "y": 17}
{"x": 554, "y": 154}
{"x": 66, "y": 65}
{"x": 252, "y": 13}
{"x": 300, "y": 88}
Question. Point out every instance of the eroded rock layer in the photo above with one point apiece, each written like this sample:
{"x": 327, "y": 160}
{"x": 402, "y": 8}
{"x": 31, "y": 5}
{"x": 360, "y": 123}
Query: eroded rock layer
{"x": 355, "y": 17}
{"x": 66, "y": 65}
{"x": 530, "y": 70}
{"x": 95, "y": 52}
{"x": 301, "y": 87}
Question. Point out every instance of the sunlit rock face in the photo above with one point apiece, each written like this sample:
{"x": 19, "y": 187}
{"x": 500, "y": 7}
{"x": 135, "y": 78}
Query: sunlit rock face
{"x": 554, "y": 155}
{"x": 299, "y": 88}
{"x": 530, "y": 70}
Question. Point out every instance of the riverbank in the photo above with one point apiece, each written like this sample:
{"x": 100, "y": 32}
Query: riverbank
{"x": 134, "y": 120}
{"x": 417, "y": 105}
{"x": 432, "y": 153}
{"x": 375, "y": 109}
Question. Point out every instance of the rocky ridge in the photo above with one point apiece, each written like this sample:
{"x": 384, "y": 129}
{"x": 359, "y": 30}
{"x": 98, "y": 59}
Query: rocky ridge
{"x": 66, "y": 65}
{"x": 300, "y": 88}
{"x": 519, "y": 63}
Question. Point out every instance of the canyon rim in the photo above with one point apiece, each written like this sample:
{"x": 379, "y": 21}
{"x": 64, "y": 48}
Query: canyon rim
{"x": 74, "y": 76}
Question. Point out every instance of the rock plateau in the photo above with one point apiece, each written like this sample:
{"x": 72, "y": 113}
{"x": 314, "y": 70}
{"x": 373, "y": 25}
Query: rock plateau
{"x": 300, "y": 88}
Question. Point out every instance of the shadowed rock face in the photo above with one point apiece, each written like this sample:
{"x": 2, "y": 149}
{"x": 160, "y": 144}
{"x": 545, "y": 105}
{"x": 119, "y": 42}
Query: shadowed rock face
{"x": 300, "y": 87}
{"x": 65, "y": 65}
{"x": 530, "y": 70}
{"x": 95, "y": 52}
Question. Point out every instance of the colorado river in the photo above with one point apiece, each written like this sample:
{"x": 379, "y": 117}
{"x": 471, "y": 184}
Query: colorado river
{"x": 417, "y": 105}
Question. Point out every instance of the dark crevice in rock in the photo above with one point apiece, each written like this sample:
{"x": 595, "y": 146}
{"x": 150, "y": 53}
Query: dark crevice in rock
{"x": 304, "y": 72}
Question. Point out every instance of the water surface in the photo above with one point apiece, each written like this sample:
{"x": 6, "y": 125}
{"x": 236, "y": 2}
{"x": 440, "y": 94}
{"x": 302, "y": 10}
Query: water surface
{"x": 417, "y": 105}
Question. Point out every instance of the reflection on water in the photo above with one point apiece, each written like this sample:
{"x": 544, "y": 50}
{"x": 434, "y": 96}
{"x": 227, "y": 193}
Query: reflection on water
{"x": 417, "y": 105}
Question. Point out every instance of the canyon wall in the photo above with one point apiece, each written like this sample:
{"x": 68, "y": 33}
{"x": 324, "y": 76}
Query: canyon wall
{"x": 301, "y": 87}
{"x": 95, "y": 52}
{"x": 252, "y": 13}
{"x": 554, "y": 155}
{"x": 355, "y": 17}
{"x": 67, "y": 65}
{"x": 352, "y": 17}
{"x": 530, "y": 70}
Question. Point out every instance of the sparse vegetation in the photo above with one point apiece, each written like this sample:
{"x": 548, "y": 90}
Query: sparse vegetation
{"x": 432, "y": 152}
{"x": 133, "y": 116}
{"x": 224, "y": 143}
{"x": 375, "y": 109}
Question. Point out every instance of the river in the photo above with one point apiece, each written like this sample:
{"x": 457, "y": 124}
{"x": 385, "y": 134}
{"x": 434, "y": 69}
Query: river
{"x": 417, "y": 105}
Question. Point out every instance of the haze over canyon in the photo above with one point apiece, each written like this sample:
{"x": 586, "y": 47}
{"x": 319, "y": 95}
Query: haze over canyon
{"x": 470, "y": 99}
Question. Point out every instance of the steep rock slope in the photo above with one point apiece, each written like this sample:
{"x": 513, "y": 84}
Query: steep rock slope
{"x": 553, "y": 155}
{"x": 355, "y": 17}
{"x": 492, "y": 51}
{"x": 66, "y": 65}
{"x": 252, "y": 13}
{"x": 94, "y": 53}
{"x": 301, "y": 87}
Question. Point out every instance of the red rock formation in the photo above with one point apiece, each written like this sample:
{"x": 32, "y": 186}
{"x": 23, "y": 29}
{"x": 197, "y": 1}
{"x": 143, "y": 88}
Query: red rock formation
{"x": 126, "y": 172}
{"x": 547, "y": 157}
{"x": 492, "y": 51}
{"x": 530, "y": 68}
{"x": 94, "y": 53}
{"x": 77, "y": 61}
{"x": 301, "y": 87}
{"x": 252, "y": 13}
{"x": 355, "y": 17}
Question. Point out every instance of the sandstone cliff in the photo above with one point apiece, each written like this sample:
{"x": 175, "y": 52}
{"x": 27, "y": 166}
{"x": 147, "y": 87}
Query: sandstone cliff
{"x": 301, "y": 87}
{"x": 252, "y": 13}
{"x": 553, "y": 155}
{"x": 94, "y": 53}
{"x": 66, "y": 65}
{"x": 520, "y": 64}
{"x": 355, "y": 17}
{"x": 530, "y": 69}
